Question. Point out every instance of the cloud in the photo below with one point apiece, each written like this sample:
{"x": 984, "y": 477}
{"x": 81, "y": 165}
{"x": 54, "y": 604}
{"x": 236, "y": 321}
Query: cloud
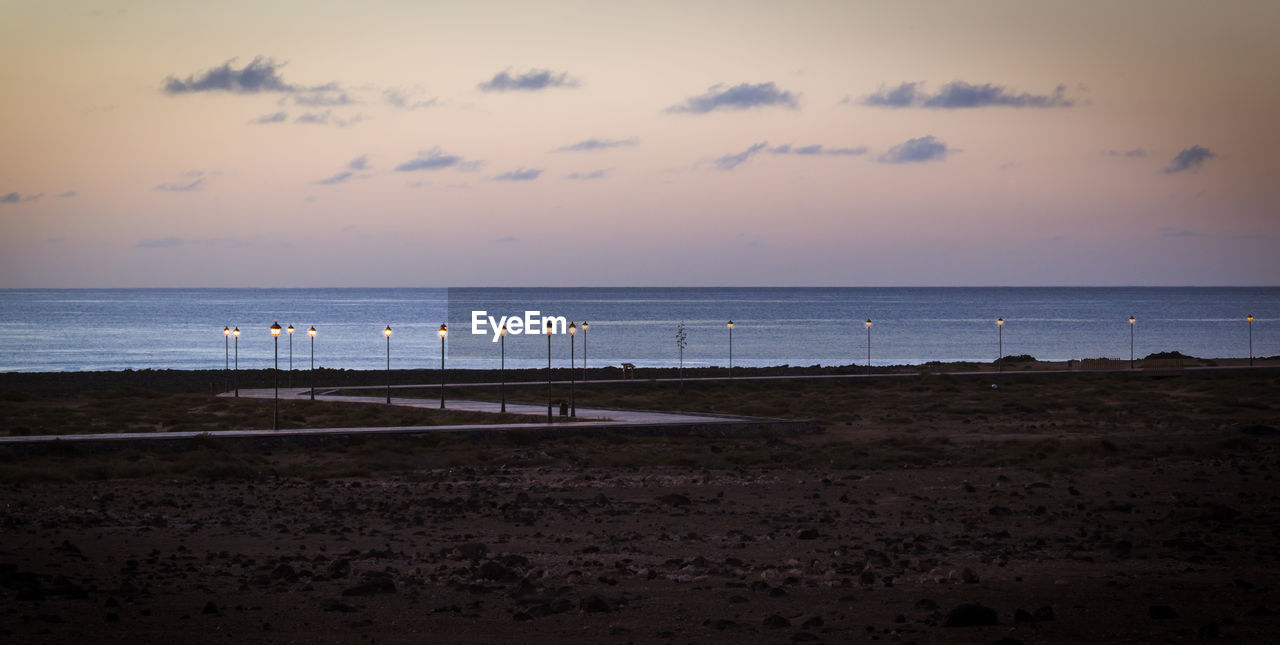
{"x": 739, "y": 97}
{"x": 329, "y": 95}
{"x": 901, "y": 96}
{"x": 69, "y": 193}
{"x": 318, "y": 118}
{"x": 1136, "y": 153}
{"x": 261, "y": 75}
{"x": 433, "y": 159}
{"x": 336, "y": 179}
{"x": 403, "y": 99}
{"x": 521, "y": 174}
{"x": 274, "y": 117}
{"x": 597, "y": 144}
{"x": 1189, "y": 159}
{"x": 196, "y": 183}
{"x": 359, "y": 163}
{"x": 816, "y": 149}
{"x": 960, "y": 95}
{"x": 15, "y": 198}
{"x": 603, "y": 173}
{"x": 729, "y": 162}
{"x": 162, "y": 243}
{"x": 530, "y": 81}
{"x": 926, "y": 148}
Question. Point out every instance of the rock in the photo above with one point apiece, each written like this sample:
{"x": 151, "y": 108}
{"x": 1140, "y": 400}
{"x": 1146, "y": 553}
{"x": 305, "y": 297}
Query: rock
{"x": 1257, "y": 430}
{"x": 971, "y": 614}
{"x": 675, "y": 499}
{"x": 493, "y": 570}
{"x": 1162, "y": 612}
{"x": 807, "y": 534}
{"x": 371, "y": 588}
{"x": 210, "y": 608}
{"x": 968, "y": 576}
{"x": 803, "y": 637}
{"x": 776, "y": 622}
{"x": 339, "y": 568}
{"x": 284, "y": 572}
{"x": 926, "y": 604}
{"x": 594, "y": 604}
{"x": 473, "y": 551}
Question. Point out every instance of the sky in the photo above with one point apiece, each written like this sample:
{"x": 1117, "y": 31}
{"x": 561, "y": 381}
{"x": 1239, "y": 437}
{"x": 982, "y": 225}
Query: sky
{"x": 435, "y": 144}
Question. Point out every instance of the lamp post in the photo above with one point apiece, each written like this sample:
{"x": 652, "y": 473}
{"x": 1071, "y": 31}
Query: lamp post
{"x": 235, "y": 374}
{"x": 312, "y": 333}
{"x": 868, "y": 347}
{"x": 444, "y": 331}
{"x": 1250, "y": 319}
{"x": 227, "y": 355}
{"x": 573, "y": 407}
{"x": 275, "y": 374}
{"x": 502, "y": 365}
{"x": 549, "y": 371}
{"x": 387, "y": 332}
{"x": 1131, "y": 321}
{"x": 730, "y": 349}
{"x": 585, "y": 326}
{"x": 1000, "y": 349}
{"x": 290, "y": 330}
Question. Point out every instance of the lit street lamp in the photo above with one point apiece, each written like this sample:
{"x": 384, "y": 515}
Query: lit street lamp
{"x": 585, "y": 326}
{"x": 573, "y": 408}
{"x": 227, "y": 355}
{"x": 387, "y": 333}
{"x": 1000, "y": 351}
{"x": 502, "y": 365}
{"x": 1250, "y": 319}
{"x": 1131, "y": 321}
{"x": 730, "y": 349}
{"x": 868, "y": 347}
{"x": 443, "y": 332}
{"x": 549, "y": 371}
{"x": 235, "y": 375}
{"x": 275, "y": 374}
{"x": 290, "y": 330}
{"x": 312, "y": 333}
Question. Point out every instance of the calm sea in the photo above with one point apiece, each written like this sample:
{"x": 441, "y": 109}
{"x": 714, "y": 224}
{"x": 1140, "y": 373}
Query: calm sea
{"x": 114, "y": 329}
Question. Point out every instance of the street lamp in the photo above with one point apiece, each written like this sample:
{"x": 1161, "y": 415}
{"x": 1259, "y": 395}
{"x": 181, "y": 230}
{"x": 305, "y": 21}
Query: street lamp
{"x": 290, "y": 330}
{"x": 730, "y": 349}
{"x": 868, "y": 347}
{"x": 227, "y": 355}
{"x": 1000, "y": 350}
{"x": 275, "y": 374}
{"x": 312, "y": 333}
{"x": 1131, "y": 321}
{"x": 549, "y": 371}
{"x": 443, "y": 332}
{"x": 387, "y": 332}
{"x": 585, "y": 326}
{"x": 235, "y": 375}
{"x": 573, "y": 408}
{"x": 502, "y": 365}
{"x": 1250, "y": 319}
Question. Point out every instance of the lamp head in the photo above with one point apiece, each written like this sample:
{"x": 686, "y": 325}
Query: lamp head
{"x": 503, "y": 331}
{"x": 312, "y": 332}
{"x": 868, "y": 323}
{"x": 1249, "y": 318}
{"x": 236, "y": 332}
{"x": 730, "y": 324}
{"x": 573, "y": 329}
{"x": 549, "y": 327}
{"x": 1132, "y": 320}
{"x": 289, "y": 329}
{"x": 999, "y": 322}
{"x": 387, "y": 332}
{"x": 226, "y": 331}
{"x": 585, "y": 325}
{"x": 275, "y": 329}
{"x": 443, "y": 331}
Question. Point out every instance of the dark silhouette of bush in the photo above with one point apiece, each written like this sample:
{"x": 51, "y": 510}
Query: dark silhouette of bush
{"x": 1021, "y": 358}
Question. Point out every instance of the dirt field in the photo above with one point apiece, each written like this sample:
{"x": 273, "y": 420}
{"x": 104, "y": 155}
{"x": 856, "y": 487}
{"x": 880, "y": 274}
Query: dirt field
{"x": 1113, "y": 508}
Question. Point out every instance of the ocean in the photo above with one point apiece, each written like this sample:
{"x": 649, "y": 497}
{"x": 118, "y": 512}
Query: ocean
{"x": 117, "y": 329}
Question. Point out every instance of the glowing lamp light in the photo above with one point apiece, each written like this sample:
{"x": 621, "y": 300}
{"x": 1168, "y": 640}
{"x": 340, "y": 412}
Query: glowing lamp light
{"x": 573, "y": 329}
{"x": 312, "y": 332}
{"x": 387, "y": 332}
{"x": 275, "y": 329}
{"x": 236, "y": 332}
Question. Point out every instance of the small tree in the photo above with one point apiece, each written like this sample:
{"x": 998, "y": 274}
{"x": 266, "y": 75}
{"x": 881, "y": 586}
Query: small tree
{"x": 681, "y": 341}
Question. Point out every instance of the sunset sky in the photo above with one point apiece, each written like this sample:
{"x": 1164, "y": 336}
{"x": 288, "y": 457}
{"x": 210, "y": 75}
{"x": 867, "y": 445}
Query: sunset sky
{"x": 324, "y": 143}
